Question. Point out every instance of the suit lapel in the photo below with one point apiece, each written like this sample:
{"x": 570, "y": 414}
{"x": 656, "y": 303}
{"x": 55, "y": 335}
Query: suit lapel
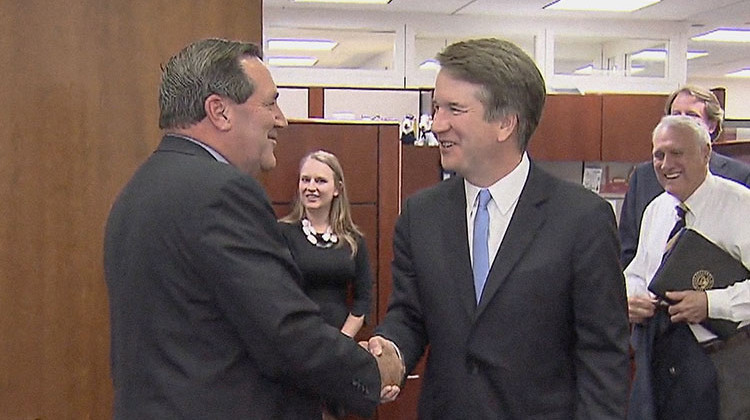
{"x": 526, "y": 221}
{"x": 456, "y": 244}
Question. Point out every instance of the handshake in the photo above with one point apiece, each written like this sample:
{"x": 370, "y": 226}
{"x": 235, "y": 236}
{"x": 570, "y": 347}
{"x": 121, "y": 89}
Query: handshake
{"x": 390, "y": 364}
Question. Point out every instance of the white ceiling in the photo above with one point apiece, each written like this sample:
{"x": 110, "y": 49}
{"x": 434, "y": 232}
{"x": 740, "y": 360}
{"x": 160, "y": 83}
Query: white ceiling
{"x": 695, "y": 16}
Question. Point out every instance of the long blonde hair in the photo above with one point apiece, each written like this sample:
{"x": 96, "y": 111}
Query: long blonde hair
{"x": 340, "y": 215}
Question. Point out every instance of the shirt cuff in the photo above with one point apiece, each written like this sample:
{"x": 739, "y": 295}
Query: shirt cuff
{"x": 719, "y": 304}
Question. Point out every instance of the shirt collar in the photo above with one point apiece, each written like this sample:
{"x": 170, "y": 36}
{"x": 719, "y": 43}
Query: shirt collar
{"x": 701, "y": 196}
{"x": 506, "y": 191}
{"x": 208, "y": 148}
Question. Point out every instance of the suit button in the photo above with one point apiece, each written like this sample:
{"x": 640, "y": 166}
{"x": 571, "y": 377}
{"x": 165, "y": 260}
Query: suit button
{"x": 672, "y": 371}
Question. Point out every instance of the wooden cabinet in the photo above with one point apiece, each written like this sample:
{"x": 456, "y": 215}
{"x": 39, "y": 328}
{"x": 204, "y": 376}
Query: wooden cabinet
{"x": 570, "y": 129}
{"x": 738, "y": 149}
{"x": 607, "y": 127}
{"x": 627, "y": 123}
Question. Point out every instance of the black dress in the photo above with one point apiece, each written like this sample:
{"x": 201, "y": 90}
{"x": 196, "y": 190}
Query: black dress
{"x": 328, "y": 273}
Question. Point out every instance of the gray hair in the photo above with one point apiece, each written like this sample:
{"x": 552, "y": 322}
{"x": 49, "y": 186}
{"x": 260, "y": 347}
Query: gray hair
{"x": 692, "y": 126}
{"x": 203, "y": 68}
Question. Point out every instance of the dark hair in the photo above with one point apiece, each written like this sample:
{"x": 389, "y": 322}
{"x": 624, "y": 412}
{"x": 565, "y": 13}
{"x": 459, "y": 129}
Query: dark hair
{"x": 510, "y": 81}
{"x": 205, "y": 67}
{"x": 714, "y": 113}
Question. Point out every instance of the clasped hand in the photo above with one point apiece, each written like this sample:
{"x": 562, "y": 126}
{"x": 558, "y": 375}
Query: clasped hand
{"x": 689, "y": 306}
{"x": 392, "y": 369}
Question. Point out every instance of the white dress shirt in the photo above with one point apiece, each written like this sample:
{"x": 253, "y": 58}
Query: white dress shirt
{"x": 718, "y": 210}
{"x": 505, "y": 193}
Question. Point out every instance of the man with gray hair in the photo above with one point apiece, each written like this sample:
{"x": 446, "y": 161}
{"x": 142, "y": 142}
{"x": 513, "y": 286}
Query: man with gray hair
{"x": 207, "y": 317}
{"x": 696, "y": 102}
{"x": 690, "y": 364}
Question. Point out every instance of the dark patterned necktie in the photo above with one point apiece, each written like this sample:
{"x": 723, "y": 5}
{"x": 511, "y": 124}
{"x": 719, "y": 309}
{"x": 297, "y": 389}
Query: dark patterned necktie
{"x": 679, "y": 225}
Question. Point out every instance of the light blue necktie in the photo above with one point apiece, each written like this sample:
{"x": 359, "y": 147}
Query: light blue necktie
{"x": 481, "y": 249}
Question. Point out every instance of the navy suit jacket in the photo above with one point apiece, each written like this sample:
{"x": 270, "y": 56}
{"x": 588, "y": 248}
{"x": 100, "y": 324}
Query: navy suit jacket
{"x": 549, "y": 339}
{"x": 207, "y": 318}
{"x": 644, "y": 187}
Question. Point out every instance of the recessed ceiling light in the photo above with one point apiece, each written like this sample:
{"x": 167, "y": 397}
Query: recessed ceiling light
{"x": 345, "y": 1}
{"x": 301, "y": 44}
{"x": 725, "y": 35}
{"x": 600, "y": 6}
{"x": 429, "y": 64}
{"x": 739, "y": 73}
{"x": 292, "y": 61}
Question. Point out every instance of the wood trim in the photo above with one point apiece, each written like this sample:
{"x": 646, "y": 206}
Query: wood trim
{"x": 315, "y": 102}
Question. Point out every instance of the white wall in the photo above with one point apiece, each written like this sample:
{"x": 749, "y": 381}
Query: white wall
{"x": 737, "y": 104}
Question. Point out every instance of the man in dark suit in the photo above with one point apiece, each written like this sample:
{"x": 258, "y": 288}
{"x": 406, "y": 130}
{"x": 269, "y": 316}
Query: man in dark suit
{"x": 543, "y": 335}
{"x": 643, "y": 187}
{"x": 207, "y": 318}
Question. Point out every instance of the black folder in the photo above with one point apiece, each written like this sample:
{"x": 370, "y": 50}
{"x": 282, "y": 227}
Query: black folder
{"x": 696, "y": 263}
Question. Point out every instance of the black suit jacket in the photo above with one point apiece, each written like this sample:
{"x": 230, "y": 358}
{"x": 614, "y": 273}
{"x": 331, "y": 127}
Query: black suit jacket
{"x": 207, "y": 320}
{"x": 644, "y": 187}
{"x": 549, "y": 339}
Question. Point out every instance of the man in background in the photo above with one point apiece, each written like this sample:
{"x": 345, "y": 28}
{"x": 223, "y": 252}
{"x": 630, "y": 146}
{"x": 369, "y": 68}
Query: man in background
{"x": 509, "y": 274}
{"x": 689, "y": 365}
{"x": 207, "y": 318}
{"x": 643, "y": 186}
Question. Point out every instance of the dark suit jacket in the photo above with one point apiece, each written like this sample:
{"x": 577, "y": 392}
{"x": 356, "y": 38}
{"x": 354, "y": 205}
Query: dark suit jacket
{"x": 207, "y": 320}
{"x": 644, "y": 187}
{"x": 549, "y": 339}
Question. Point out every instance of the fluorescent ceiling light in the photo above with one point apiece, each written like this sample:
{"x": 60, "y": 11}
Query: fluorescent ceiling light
{"x": 588, "y": 69}
{"x": 725, "y": 35}
{"x": 661, "y": 55}
{"x": 345, "y": 1}
{"x": 600, "y": 6}
{"x": 430, "y": 64}
{"x": 696, "y": 54}
{"x": 292, "y": 61}
{"x": 637, "y": 69}
{"x": 288, "y": 44}
{"x": 739, "y": 73}
{"x": 650, "y": 55}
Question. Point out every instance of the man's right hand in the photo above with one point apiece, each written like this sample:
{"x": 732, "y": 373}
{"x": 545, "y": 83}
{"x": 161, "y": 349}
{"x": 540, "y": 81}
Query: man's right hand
{"x": 392, "y": 369}
{"x": 641, "y": 308}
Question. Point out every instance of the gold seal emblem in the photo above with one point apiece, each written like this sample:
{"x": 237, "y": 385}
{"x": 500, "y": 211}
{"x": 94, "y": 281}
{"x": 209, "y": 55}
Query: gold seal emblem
{"x": 703, "y": 280}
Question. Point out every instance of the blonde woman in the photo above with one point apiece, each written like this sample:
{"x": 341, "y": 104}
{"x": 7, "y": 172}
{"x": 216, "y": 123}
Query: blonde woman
{"x": 328, "y": 248}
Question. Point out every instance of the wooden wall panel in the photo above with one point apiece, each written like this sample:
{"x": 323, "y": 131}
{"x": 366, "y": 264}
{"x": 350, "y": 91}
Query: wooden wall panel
{"x": 315, "y": 102}
{"x": 738, "y": 149}
{"x": 570, "y": 129}
{"x": 79, "y": 113}
{"x": 354, "y": 144}
{"x": 627, "y": 123}
{"x": 420, "y": 168}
